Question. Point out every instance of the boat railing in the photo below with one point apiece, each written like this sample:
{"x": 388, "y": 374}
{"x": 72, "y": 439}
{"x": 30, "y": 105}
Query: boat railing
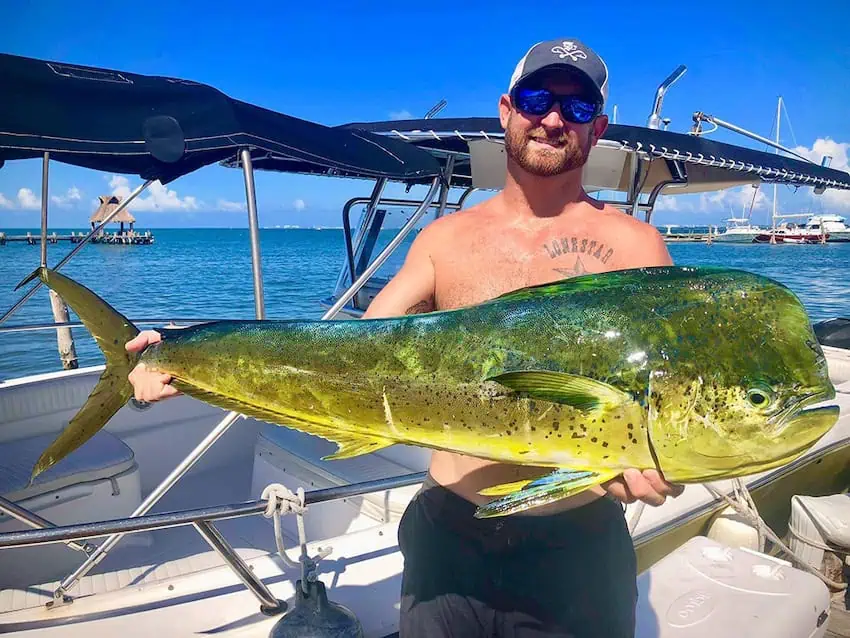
{"x": 201, "y": 518}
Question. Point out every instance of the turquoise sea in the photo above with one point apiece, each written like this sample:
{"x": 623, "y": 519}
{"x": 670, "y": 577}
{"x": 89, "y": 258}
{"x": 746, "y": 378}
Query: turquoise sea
{"x": 206, "y": 273}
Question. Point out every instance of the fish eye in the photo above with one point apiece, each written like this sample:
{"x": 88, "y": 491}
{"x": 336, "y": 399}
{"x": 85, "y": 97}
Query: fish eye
{"x": 758, "y": 398}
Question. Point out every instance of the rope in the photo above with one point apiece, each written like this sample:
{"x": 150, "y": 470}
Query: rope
{"x": 814, "y": 543}
{"x": 282, "y": 501}
{"x": 747, "y": 509}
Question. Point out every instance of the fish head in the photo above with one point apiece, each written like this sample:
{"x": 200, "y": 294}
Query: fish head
{"x": 748, "y": 394}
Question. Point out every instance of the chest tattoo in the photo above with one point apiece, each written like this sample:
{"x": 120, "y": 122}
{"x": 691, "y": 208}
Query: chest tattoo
{"x": 575, "y": 271}
{"x": 590, "y": 248}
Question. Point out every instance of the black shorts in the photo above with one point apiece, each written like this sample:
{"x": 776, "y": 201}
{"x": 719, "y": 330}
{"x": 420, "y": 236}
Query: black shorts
{"x": 568, "y": 574}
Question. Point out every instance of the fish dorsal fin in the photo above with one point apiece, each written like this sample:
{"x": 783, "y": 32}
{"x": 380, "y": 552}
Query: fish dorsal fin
{"x": 613, "y": 278}
{"x": 582, "y": 393}
{"x": 349, "y": 444}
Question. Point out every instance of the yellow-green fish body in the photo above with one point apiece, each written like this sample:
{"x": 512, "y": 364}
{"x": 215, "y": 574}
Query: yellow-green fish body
{"x": 703, "y": 373}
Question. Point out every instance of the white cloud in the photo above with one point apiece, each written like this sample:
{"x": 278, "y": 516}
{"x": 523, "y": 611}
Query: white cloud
{"x": 159, "y": 198}
{"x": 229, "y": 206}
{"x": 27, "y": 199}
{"x": 840, "y": 152}
{"x": 403, "y": 114}
{"x": 736, "y": 201}
{"x": 68, "y": 199}
{"x": 299, "y": 204}
{"x": 6, "y": 203}
{"x": 670, "y": 203}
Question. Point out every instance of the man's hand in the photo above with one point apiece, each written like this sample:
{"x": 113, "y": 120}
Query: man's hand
{"x": 646, "y": 486}
{"x": 149, "y": 386}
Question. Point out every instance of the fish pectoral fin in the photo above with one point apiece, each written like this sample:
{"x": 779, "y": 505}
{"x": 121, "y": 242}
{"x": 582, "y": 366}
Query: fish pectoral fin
{"x": 348, "y": 444}
{"x": 504, "y": 488}
{"x": 580, "y": 392}
{"x": 552, "y": 487}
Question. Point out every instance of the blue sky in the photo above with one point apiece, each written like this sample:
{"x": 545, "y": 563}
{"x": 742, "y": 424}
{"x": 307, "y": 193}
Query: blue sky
{"x": 334, "y": 62}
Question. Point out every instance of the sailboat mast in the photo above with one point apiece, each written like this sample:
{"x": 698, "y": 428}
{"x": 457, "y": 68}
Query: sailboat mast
{"x": 776, "y": 151}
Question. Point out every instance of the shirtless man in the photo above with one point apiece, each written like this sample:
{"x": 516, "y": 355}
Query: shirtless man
{"x": 568, "y": 568}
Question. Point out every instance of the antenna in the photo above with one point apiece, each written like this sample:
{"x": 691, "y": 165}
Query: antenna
{"x": 439, "y": 106}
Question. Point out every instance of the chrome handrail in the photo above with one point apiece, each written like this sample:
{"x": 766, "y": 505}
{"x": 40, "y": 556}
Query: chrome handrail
{"x": 167, "y": 520}
{"x": 33, "y": 327}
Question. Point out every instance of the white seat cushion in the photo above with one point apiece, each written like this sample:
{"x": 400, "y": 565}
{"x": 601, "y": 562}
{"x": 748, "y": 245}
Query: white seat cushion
{"x": 101, "y": 457}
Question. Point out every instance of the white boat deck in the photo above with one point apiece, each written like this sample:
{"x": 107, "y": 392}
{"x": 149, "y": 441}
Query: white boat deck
{"x": 168, "y": 553}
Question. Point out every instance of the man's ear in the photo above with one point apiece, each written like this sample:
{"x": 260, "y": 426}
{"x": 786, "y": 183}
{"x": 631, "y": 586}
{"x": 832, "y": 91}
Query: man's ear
{"x": 600, "y": 125}
{"x": 505, "y": 106}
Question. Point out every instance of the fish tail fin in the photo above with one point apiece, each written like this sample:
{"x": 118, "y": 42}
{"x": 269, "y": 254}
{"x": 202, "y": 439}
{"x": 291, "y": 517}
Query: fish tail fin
{"x": 111, "y": 330}
{"x": 547, "y": 489}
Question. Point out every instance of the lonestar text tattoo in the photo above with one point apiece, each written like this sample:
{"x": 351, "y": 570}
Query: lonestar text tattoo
{"x": 577, "y": 246}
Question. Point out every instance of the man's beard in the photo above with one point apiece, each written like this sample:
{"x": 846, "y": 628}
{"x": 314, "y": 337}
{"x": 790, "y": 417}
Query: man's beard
{"x": 545, "y": 162}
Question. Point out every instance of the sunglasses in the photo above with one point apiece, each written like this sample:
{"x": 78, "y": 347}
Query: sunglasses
{"x": 574, "y": 108}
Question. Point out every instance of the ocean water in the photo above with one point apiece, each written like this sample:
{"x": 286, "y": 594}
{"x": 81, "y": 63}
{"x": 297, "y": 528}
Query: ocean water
{"x": 206, "y": 273}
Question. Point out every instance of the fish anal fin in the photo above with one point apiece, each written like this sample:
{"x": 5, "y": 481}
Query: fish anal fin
{"x": 353, "y": 445}
{"x": 348, "y": 444}
{"x": 553, "y": 487}
{"x": 580, "y": 392}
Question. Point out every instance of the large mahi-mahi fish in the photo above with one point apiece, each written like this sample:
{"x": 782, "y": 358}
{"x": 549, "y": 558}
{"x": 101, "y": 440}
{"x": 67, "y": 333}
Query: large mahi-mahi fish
{"x": 703, "y": 373}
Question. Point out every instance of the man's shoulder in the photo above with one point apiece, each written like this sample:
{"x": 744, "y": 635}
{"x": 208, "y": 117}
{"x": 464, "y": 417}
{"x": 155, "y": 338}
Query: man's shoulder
{"x": 644, "y": 245}
{"x": 450, "y": 225}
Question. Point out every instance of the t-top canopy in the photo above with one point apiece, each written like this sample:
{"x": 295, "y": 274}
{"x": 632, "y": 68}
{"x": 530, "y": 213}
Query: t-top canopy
{"x": 709, "y": 164}
{"x": 162, "y": 127}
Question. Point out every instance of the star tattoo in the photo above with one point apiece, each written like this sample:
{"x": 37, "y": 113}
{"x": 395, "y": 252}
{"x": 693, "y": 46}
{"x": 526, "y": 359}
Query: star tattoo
{"x": 575, "y": 271}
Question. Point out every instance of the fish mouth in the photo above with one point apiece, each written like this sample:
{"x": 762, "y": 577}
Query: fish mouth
{"x": 799, "y": 410}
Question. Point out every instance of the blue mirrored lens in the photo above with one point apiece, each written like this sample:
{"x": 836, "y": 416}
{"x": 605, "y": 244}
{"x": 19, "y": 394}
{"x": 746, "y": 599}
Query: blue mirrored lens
{"x": 539, "y": 101}
{"x": 535, "y": 101}
{"x": 578, "y": 110}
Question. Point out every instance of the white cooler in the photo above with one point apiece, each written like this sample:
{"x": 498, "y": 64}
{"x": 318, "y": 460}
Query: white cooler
{"x": 707, "y": 590}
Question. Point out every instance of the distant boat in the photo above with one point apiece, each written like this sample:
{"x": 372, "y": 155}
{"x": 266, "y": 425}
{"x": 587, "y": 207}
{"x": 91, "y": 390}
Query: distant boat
{"x": 833, "y": 225}
{"x": 740, "y": 232}
{"x": 791, "y": 233}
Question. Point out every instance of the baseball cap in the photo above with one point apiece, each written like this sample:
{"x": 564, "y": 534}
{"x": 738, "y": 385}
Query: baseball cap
{"x": 570, "y": 54}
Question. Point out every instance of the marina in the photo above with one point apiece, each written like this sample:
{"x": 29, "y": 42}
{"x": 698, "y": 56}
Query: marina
{"x": 236, "y": 523}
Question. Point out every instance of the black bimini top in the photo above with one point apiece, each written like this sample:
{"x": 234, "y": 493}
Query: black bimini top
{"x": 162, "y": 127}
{"x": 455, "y": 135}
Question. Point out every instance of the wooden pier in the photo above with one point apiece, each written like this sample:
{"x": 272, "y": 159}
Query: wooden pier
{"x": 32, "y": 239}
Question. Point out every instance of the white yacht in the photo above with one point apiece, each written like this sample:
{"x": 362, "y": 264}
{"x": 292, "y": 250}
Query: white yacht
{"x": 180, "y": 518}
{"x": 834, "y": 226}
{"x": 740, "y": 231}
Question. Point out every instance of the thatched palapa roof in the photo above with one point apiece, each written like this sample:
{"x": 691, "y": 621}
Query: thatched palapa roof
{"x": 108, "y": 203}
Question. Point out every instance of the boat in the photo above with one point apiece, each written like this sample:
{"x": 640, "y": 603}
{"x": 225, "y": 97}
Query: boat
{"x": 833, "y": 226}
{"x": 740, "y": 231}
{"x": 791, "y": 233}
{"x": 182, "y": 519}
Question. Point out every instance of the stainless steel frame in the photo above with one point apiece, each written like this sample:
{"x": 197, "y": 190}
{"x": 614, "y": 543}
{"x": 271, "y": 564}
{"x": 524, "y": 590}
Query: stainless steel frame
{"x": 166, "y": 520}
{"x": 382, "y": 257}
{"x": 654, "y": 120}
{"x": 254, "y": 229}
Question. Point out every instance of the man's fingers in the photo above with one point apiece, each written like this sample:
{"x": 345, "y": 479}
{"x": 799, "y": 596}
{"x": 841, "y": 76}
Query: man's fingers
{"x": 660, "y": 485}
{"x": 641, "y": 488}
{"x": 143, "y": 339}
{"x": 618, "y": 489}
